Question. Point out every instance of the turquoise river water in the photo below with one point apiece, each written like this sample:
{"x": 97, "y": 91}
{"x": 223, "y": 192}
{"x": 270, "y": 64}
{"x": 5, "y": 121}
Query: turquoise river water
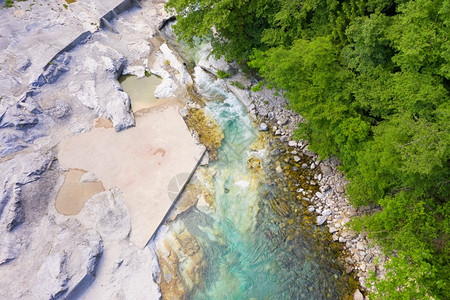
{"x": 250, "y": 251}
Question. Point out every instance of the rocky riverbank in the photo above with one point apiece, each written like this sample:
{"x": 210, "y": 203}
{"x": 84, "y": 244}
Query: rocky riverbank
{"x": 329, "y": 204}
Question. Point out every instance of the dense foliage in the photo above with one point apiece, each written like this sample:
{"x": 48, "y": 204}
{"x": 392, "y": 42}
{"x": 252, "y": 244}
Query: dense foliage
{"x": 8, "y": 3}
{"x": 372, "y": 77}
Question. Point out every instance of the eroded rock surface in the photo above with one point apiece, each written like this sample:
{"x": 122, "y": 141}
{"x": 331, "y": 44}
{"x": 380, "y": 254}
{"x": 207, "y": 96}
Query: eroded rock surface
{"x": 58, "y": 72}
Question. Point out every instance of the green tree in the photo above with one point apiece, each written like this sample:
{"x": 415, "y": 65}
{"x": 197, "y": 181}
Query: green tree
{"x": 9, "y": 3}
{"x": 233, "y": 27}
{"x": 372, "y": 78}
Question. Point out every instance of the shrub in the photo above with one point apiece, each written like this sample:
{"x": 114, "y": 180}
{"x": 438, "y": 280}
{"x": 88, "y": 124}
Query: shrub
{"x": 222, "y": 74}
{"x": 9, "y": 3}
{"x": 238, "y": 85}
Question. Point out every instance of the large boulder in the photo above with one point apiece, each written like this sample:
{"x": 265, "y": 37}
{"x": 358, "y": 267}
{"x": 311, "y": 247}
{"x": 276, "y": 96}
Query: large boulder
{"x": 118, "y": 109}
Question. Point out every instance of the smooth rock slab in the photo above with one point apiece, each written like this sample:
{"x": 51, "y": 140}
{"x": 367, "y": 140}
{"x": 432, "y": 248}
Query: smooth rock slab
{"x": 141, "y": 161}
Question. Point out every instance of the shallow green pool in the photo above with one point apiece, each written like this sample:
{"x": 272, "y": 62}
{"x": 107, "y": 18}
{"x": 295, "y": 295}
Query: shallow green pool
{"x": 140, "y": 90}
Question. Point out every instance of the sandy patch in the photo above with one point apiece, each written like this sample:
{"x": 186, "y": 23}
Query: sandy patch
{"x": 103, "y": 123}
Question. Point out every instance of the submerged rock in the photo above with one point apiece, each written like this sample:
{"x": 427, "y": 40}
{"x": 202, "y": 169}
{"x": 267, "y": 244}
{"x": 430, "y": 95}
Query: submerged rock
{"x": 181, "y": 262}
{"x": 209, "y": 131}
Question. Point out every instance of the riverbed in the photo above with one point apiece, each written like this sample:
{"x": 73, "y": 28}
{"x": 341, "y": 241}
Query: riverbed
{"x": 248, "y": 236}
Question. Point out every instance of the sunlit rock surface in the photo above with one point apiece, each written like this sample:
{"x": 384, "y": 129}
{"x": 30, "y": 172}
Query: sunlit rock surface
{"x": 59, "y": 65}
{"x": 141, "y": 161}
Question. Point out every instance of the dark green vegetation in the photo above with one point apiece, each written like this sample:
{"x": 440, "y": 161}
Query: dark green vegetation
{"x": 372, "y": 77}
{"x": 222, "y": 74}
{"x": 8, "y": 3}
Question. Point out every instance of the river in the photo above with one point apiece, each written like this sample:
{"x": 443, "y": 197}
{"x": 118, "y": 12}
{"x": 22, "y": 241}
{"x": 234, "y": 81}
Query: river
{"x": 254, "y": 237}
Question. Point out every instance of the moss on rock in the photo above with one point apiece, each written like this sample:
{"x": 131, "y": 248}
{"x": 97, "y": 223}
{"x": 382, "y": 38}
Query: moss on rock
{"x": 209, "y": 132}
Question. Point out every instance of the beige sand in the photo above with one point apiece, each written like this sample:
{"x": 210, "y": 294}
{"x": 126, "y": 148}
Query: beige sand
{"x": 141, "y": 161}
{"x": 74, "y": 194}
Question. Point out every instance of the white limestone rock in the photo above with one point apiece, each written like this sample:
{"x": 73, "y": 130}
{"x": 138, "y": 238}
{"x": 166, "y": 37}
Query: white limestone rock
{"x": 358, "y": 295}
{"x": 166, "y": 89}
{"x": 138, "y": 71}
{"x": 18, "y": 118}
{"x": 51, "y": 279}
{"x": 175, "y": 63}
{"x": 321, "y": 220}
{"x": 107, "y": 214}
{"x": 320, "y": 195}
{"x": 326, "y": 212}
{"x": 126, "y": 271}
{"x": 10, "y": 246}
{"x": 332, "y": 229}
{"x": 360, "y": 246}
{"x": 60, "y": 110}
{"x": 51, "y": 255}
{"x": 118, "y": 109}
{"x": 211, "y": 64}
{"x": 58, "y": 258}
{"x": 89, "y": 177}
{"x": 16, "y": 173}
{"x": 85, "y": 92}
{"x": 292, "y": 143}
{"x": 263, "y": 127}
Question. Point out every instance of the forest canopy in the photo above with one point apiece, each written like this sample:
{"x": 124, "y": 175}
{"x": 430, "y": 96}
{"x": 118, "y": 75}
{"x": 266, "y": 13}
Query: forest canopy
{"x": 372, "y": 78}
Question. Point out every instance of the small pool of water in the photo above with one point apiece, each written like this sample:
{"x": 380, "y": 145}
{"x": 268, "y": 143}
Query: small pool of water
{"x": 75, "y": 192}
{"x": 141, "y": 90}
